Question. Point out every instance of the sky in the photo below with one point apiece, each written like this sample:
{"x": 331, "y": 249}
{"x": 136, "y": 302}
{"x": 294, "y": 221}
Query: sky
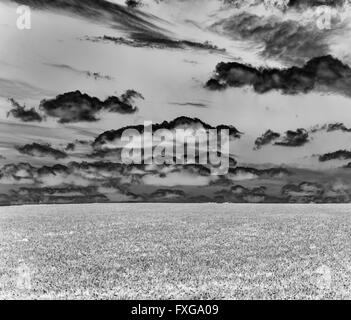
{"x": 167, "y": 51}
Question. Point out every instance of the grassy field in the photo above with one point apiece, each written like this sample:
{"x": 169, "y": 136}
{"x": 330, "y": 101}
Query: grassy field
{"x": 183, "y": 251}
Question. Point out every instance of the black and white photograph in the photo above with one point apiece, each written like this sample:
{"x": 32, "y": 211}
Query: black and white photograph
{"x": 190, "y": 150}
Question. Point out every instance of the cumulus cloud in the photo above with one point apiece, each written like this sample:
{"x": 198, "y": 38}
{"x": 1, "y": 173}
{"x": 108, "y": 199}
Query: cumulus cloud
{"x": 322, "y": 74}
{"x": 41, "y": 150}
{"x": 336, "y": 155}
{"x": 266, "y": 138}
{"x": 111, "y": 139}
{"x": 76, "y": 106}
{"x": 25, "y": 115}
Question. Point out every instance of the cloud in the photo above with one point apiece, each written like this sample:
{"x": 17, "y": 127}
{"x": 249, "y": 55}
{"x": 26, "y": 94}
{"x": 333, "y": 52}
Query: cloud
{"x": 167, "y": 195}
{"x": 102, "y": 11}
{"x": 25, "y": 115}
{"x": 336, "y": 155}
{"x": 331, "y": 127}
{"x": 94, "y": 75}
{"x": 304, "y": 192}
{"x": 191, "y": 104}
{"x": 315, "y": 3}
{"x": 307, "y": 192}
{"x": 287, "y": 40}
{"x": 111, "y": 139}
{"x": 285, "y": 4}
{"x": 241, "y": 194}
{"x": 76, "y": 106}
{"x": 41, "y": 150}
{"x": 266, "y": 138}
{"x": 146, "y": 41}
{"x": 67, "y": 194}
{"x": 322, "y": 74}
{"x": 294, "y": 138}
{"x": 243, "y": 174}
{"x": 22, "y": 173}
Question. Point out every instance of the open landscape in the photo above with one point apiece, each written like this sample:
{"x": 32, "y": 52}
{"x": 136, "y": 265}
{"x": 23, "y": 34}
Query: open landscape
{"x": 175, "y": 251}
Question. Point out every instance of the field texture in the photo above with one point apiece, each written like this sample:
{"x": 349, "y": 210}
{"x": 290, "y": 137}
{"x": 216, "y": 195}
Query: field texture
{"x": 183, "y": 251}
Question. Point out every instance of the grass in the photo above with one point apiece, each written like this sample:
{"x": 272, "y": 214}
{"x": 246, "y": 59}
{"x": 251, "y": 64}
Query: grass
{"x": 181, "y": 251}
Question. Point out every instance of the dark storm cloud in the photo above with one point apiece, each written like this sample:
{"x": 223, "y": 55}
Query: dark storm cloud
{"x": 288, "y": 40}
{"x": 25, "y": 115}
{"x": 41, "y": 150}
{"x": 266, "y": 138}
{"x": 323, "y": 74}
{"x": 76, "y": 106}
{"x": 147, "y": 41}
{"x": 336, "y": 155}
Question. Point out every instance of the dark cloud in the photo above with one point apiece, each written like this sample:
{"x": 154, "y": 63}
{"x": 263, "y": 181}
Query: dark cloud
{"x": 180, "y": 123}
{"x": 336, "y": 155}
{"x": 323, "y": 74}
{"x": 191, "y": 104}
{"x": 286, "y": 40}
{"x": 41, "y": 150}
{"x": 315, "y": 3}
{"x": 294, "y": 138}
{"x": 25, "y": 115}
{"x": 76, "y": 106}
{"x": 167, "y": 195}
{"x": 266, "y": 138}
{"x": 70, "y": 146}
